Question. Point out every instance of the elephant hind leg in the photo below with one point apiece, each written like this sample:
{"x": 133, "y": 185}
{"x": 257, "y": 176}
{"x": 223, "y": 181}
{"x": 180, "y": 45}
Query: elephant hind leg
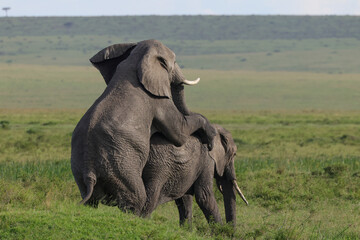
{"x": 129, "y": 195}
{"x": 184, "y": 205}
{"x": 152, "y": 199}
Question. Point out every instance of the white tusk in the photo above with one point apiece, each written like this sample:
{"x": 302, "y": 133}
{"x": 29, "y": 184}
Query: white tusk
{"x": 219, "y": 187}
{"x": 194, "y": 82}
{"x": 239, "y": 192}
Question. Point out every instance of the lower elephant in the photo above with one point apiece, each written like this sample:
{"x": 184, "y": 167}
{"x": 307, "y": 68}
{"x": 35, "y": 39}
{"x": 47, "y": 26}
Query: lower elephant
{"x": 176, "y": 173}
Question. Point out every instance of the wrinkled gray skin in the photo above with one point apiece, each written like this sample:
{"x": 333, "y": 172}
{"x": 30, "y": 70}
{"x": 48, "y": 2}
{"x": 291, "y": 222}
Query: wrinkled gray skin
{"x": 111, "y": 143}
{"x": 176, "y": 173}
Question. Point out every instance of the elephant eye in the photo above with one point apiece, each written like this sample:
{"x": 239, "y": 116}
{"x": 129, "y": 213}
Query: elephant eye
{"x": 163, "y": 63}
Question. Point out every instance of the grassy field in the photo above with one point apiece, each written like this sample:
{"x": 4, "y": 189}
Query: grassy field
{"x": 36, "y": 86}
{"x": 299, "y": 170}
{"x": 286, "y": 87}
{"x": 333, "y": 56}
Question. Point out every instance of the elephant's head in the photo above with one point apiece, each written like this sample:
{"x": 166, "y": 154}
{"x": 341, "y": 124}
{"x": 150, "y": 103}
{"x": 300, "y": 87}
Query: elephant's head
{"x": 223, "y": 154}
{"x": 155, "y": 66}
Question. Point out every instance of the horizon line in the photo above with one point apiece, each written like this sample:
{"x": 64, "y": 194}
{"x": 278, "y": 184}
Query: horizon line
{"x": 193, "y": 15}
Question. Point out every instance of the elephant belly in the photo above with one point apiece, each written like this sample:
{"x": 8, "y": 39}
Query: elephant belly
{"x": 178, "y": 185}
{"x": 175, "y": 193}
{"x": 172, "y": 169}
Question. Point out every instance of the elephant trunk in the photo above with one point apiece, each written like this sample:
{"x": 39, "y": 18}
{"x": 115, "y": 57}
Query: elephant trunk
{"x": 229, "y": 188}
{"x": 177, "y": 91}
{"x": 179, "y": 99}
{"x": 180, "y": 79}
{"x": 229, "y": 196}
{"x": 231, "y": 176}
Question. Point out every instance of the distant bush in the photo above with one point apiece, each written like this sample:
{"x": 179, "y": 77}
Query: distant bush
{"x": 5, "y": 124}
{"x": 336, "y": 170}
{"x": 68, "y": 24}
{"x": 51, "y": 123}
{"x": 32, "y": 131}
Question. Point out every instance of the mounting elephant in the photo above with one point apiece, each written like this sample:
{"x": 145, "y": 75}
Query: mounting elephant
{"x": 110, "y": 144}
{"x": 176, "y": 173}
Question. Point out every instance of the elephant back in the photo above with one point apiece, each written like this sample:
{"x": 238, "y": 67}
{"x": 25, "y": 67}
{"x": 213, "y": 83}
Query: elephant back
{"x": 161, "y": 148}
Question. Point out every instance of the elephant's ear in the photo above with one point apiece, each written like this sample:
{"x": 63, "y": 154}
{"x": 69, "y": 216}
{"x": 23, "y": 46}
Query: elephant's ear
{"x": 107, "y": 59}
{"x": 217, "y": 154}
{"x": 153, "y": 75}
{"x": 224, "y": 149}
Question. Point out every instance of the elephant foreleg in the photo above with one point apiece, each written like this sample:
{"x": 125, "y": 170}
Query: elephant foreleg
{"x": 205, "y": 198}
{"x": 177, "y": 127}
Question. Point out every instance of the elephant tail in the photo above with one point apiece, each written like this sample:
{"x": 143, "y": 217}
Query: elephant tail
{"x": 90, "y": 182}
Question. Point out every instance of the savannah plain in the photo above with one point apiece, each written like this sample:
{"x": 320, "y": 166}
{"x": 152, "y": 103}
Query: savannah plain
{"x": 288, "y": 89}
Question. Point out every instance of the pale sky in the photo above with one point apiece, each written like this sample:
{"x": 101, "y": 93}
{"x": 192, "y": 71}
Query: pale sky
{"x": 177, "y": 7}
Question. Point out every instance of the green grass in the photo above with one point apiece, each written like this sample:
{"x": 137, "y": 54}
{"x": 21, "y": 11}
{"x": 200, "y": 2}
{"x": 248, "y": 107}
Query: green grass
{"x": 34, "y": 86}
{"x": 311, "y": 59}
{"x": 299, "y": 170}
{"x": 73, "y": 222}
{"x": 238, "y": 90}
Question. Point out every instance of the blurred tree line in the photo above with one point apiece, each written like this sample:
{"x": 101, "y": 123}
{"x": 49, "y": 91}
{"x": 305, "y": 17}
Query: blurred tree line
{"x": 187, "y": 27}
